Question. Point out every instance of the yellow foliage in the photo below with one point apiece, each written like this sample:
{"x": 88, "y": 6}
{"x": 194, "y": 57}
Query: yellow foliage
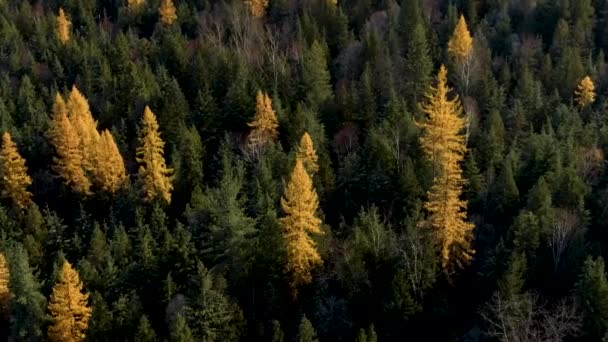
{"x": 82, "y": 120}
{"x": 65, "y": 139}
{"x": 585, "y": 92}
{"x": 300, "y": 204}
{"x": 168, "y": 13}
{"x": 308, "y": 155}
{"x": 264, "y": 127}
{"x": 445, "y": 145}
{"x": 5, "y": 292}
{"x": 63, "y": 27}
{"x": 461, "y": 42}
{"x": 15, "y": 179}
{"x": 257, "y": 8}
{"x": 109, "y": 171}
{"x": 155, "y": 177}
{"x": 69, "y": 307}
{"x": 135, "y": 5}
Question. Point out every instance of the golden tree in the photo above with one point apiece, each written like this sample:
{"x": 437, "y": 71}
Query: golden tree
{"x": 264, "y": 127}
{"x": 15, "y": 179}
{"x": 63, "y": 27}
{"x": 64, "y": 138}
{"x": 109, "y": 171}
{"x": 168, "y": 13}
{"x": 69, "y": 307}
{"x": 154, "y": 176}
{"x": 306, "y": 152}
{"x": 585, "y": 92}
{"x": 460, "y": 48}
{"x": 86, "y": 127}
{"x": 445, "y": 145}
{"x": 257, "y": 8}
{"x": 300, "y": 204}
{"x": 135, "y": 5}
{"x": 5, "y": 292}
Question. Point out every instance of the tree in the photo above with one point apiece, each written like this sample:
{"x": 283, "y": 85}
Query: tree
{"x": 444, "y": 144}
{"x": 306, "y": 332}
{"x": 135, "y": 5}
{"x": 69, "y": 307}
{"x": 69, "y": 161}
{"x": 109, "y": 172}
{"x": 460, "y": 48}
{"x": 315, "y": 76}
{"x": 592, "y": 291}
{"x": 257, "y": 8}
{"x": 63, "y": 27}
{"x": 167, "y": 12}
{"x": 307, "y": 153}
{"x": 145, "y": 332}
{"x": 300, "y": 204}
{"x": 155, "y": 177}
{"x": 585, "y": 92}
{"x": 418, "y": 63}
{"x": 264, "y": 127}
{"x": 5, "y": 292}
{"x": 180, "y": 332}
{"x": 13, "y": 171}
{"x": 82, "y": 120}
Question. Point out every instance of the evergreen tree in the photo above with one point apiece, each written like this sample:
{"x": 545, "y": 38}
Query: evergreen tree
{"x": 300, "y": 204}
{"x": 154, "y": 176}
{"x": 418, "y": 64}
{"x": 13, "y": 171}
{"x": 145, "y": 333}
{"x": 69, "y": 307}
{"x": 180, "y": 332}
{"x": 167, "y": 12}
{"x": 306, "y": 332}
{"x": 63, "y": 27}
{"x": 316, "y": 88}
{"x": 445, "y": 146}
{"x": 307, "y": 154}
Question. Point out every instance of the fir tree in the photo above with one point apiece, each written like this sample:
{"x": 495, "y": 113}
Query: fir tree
{"x": 316, "y": 86}
{"x": 63, "y": 27}
{"x": 13, "y": 171}
{"x": 69, "y": 307}
{"x": 300, "y": 204}
{"x": 154, "y": 176}
{"x": 444, "y": 144}
{"x": 145, "y": 333}
{"x": 180, "y": 332}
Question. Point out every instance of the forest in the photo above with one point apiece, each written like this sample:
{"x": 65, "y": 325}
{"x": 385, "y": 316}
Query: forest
{"x": 303, "y": 170}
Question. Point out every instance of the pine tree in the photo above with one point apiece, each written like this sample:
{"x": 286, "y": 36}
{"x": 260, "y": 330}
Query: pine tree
{"x": 585, "y": 92}
{"x": 264, "y": 127}
{"x": 300, "y": 204}
{"x": 154, "y": 176}
{"x": 306, "y": 152}
{"x": 69, "y": 307}
{"x": 63, "y": 27}
{"x": 13, "y": 171}
{"x": 168, "y": 13}
{"x": 5, "y": 292}
{"x": 444, "y": 144}
{"x": 64, "y": 137}
{"x": 109, "y": 172}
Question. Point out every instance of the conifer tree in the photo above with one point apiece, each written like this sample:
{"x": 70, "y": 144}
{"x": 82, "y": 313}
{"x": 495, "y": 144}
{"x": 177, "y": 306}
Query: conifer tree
{"x": 63, "y": 27}
{"x": 444, "y": 144}
{"x": 135, "y": 5}
{"x": 69, "y": 307}
{"x": 460, "y": 48}
{"x": 418, "y": 64}
{"x": 306, "y": 152}
{"x": 180, "y": 332}
{"x": 585, "y": 92}
{"x": 592, "y": 290}
{"x": 306, "y": 332}
{"x": 64, "y": 137}
{"x": 109, "y": 171}
{"x": 316, "y": 87}
{"x": 155, "y": 177}
{"x": 5, "y": 292}
{"x": 264, "y": 127}
{"x": 168, "y": 13}
{"x": 13, "y": 171}
{"x": 257, "y": 8}
{"x": 300, "y": 204}
{"x": 82, "y": 120}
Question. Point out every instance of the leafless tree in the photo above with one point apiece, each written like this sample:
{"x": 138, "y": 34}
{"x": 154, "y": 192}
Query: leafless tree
{"x": 565, "y": 228}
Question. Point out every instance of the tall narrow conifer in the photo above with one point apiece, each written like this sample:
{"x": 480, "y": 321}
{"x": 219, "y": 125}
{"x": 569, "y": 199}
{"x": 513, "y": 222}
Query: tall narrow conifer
{"x": 13, "y": 171}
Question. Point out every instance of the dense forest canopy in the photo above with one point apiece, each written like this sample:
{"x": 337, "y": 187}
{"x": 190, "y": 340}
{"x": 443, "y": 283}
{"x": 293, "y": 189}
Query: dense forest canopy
{"x": 318, "y": 170}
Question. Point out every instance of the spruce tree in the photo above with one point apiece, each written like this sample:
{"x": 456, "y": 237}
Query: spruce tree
{"x": 69, "y": 307}
{"x": 316, "y": 87}
{"x": 13, "y": 173}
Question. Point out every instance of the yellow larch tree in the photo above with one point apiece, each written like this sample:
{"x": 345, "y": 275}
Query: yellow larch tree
{"x": 444, "y": 143}
{"x": 306, "y": 152}
{"x": 300, "y": 204}
{"x": 64, "y": 138}
{"x": 460, "y": 48}
{"x": 264, "y": 127}
{"x": 257, "y": 8}
{"x": 135, "y": 5}
{"x": 109, "y": 172}
{"x": 63, "y": 27}
{"x": 82, "y": 120}
{"x": 69, "y": 307}
{"x": 5, "y": 292}
{"x": 585, "y": 92}
{"x": 154, "y": 175}
{"x": 167, "y": 12}
{"x": 13, "y": 171}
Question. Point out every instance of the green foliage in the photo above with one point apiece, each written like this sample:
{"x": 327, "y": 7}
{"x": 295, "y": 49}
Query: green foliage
{"x": 592, "y": 291}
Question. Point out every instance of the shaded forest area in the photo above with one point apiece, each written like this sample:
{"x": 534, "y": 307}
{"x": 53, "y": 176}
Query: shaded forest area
{"x": 319, "y": 170}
